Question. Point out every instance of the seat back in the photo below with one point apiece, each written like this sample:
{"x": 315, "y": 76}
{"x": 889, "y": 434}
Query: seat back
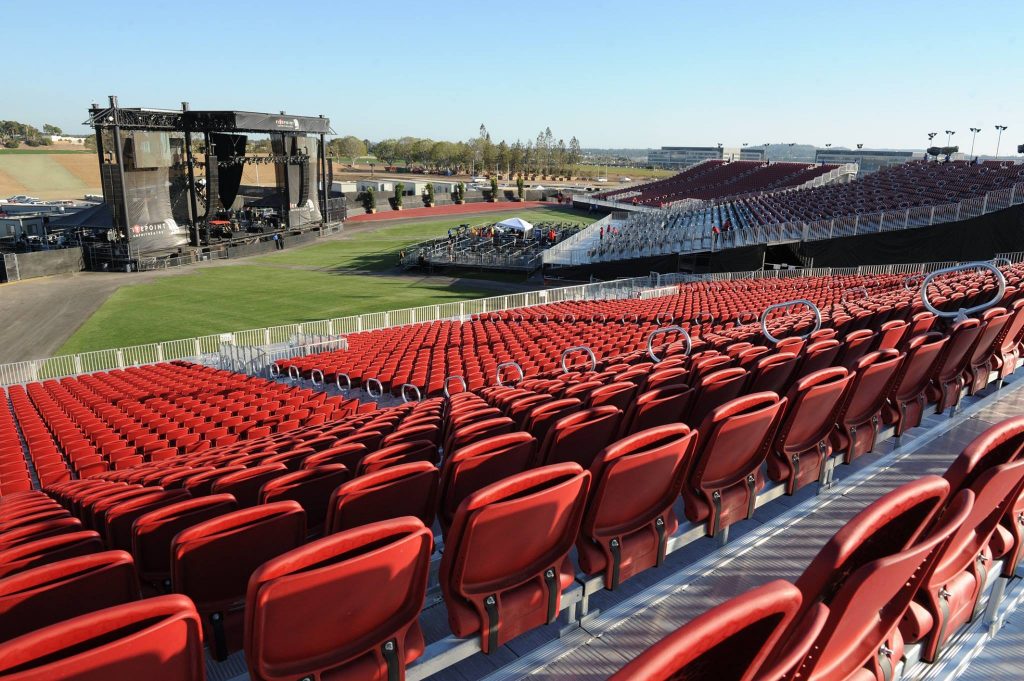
{"x": 578, "y": 437}
{"x": 38, "y": 530}
{"x": 543, "y": 416}
{"x": 48, "y": 594}
{"x": 873, "y": 581}
{"x": 402, "y": 452}
{"x": 658, "y": 407}
{"x": 408, "y": 489}
{"x": 153, "y": 531}
{"x": 379, "y": 571}
{"x": 120, "y": 518}
{"x": 480, "y": 464}
{"x": 157, "y": 639}
{"x": 892, "y": 334}
{"x": 311, "y": 488}
{"x": 504, "y": 564}
{"x": 48, "y": 550}
{"x": 619, "y": 395}
{"x": 714, "y": 390}
{"x": 922, "y": 353}
{"x": 723, "y": 477}
{"x": 348, "y": 455}
{"x": 856, "y": 345}
{"x": 629, "y": 514}
{"x": 244, "y": 485}
{"x": 773, "y": 373}
{"x": 211, "y": 563}
{"x": 730, "y": 641}
{"x": 819, "y": 355}
{"x": 801, "y": 446}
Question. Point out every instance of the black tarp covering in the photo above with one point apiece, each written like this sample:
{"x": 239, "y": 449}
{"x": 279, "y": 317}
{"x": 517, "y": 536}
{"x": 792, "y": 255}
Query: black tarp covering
{"x": 975, "y": 239}
{"x": 229, "y": 176}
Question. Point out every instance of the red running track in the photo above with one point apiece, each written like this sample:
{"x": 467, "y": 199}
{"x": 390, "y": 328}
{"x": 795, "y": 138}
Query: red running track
{"x": 450, "y": 209}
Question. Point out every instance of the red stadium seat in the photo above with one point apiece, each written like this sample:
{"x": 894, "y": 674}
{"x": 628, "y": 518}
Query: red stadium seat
{"x": 505, "y": 562}
{"x": 724, "y": 476}
{"x": 119, "y": 519}
{"x": 480, "y": 464}
{"x": 579, "y": 436}
{"x": 48, "y": 550}
{"x": 859, "y": 420}
{"x": 153, "y": 532}
{"x": 211, "y": 563}
{"x": 311, "y": 488}
{"x": 657, "y": 407}
{"x": 48, "y": 594}
{"x": 801, "y": 448}
{"x": 404, "y": 490}
{"x": 244, "y": 485}
{"x": 629, "y": 514}
{"x": 907, "y": 399}
{"x": 731, "y": 641}
{"x": 158, "y": 639}
{"x": 378, "y": 571}
{"x": 406, "y": 451}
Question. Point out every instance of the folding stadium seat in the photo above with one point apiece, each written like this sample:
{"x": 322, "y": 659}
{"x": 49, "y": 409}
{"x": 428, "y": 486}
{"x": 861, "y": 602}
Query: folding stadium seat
{"x": 500, "y": 574}
{"x": 856, "y": 345}
{"x": 377, "y": 572}
{"x": 724, "y": 476}
{"x": 773, "y": 373}
{"x": 406, "y": 489}
{"x": 732, "y": 640}
{"x": 868, "y": 573}
{"x": 714, "y": 390}
{"x": 477, "y": 430}
{"x": 629, "y": 514}
{"x": 922, "y": 322}
{"x": 981, "y": 360}
{"x": 211, "y": 563}
{"x": 947, "y": 379}
{"x": 48, "y": 550}
{"x": 520, "y": 408}
{"x": 45, "y": 595}
{"x": 119, "y": 520}
{"x": 292, "y": 459}
{"x": 430, "y": 431}
{"x": 244, "y": 485}
{"x": 892, "y": 334}
{"x": 858, "y": 422}
{"x": 158, "y": 639}
{"x": 1008, "y": 350}
{"x": 950, "y": 594}
{"x": 348, "y": 455}
{"x": 657, "y": 407}
{"x": 39, "y": 530}
{"x": 801, "y": 449}
{"x": 311, "y": 488}
{"x": 543, "y": 416}
{"x": 618, "y": 394}
{"x": 817, "y": 356}
{"x": 579, "y": 437}
{"x": 402, "y": 452}
{"x": 153, "y": 532}
{"x": 907, "y": 398}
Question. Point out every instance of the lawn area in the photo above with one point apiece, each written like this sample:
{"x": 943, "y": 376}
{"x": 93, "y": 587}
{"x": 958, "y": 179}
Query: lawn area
{"x": 377, "y": 249}
{"x": 233, "y": 298}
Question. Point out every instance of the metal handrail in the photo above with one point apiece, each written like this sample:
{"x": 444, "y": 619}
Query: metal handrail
{"x": 465, "y": 386}
{"x": 578, "y": 348}
{"x": 788, "y": 303}
{"x": 312, "y": 378}
{"x": 419, "y": 396}
{"x": 275, "y": 370}
{"x": 602, "y": 315}
{"x": 739, "y": 317}
{"x": 380, "y": 388}
{"x": 348, "y": 382}
{"x": 635, "y": 316}
{"x": 909, "y": 280}
{"x": 658, "y": 319}
{"x": 663, "y": 330}
{"x": 497, "y": 371}
{"x": 697, "y": 318}
{"x": 963, "y": 313}
{"x": 294, "y": 374}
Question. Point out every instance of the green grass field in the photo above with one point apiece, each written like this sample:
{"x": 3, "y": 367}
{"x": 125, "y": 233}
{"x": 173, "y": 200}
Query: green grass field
{"x": 378, "y": 250}
{"x": 295, "y": 285}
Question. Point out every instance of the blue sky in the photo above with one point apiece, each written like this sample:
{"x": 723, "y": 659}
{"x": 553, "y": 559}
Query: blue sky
{"x": 639, "y": 74}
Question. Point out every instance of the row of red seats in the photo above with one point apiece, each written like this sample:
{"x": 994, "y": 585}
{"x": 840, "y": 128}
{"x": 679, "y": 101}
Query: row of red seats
{"x": 909, "y": 568}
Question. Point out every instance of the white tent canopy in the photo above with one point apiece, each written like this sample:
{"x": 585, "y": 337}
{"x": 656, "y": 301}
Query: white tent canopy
{"x": 516, "y": 225}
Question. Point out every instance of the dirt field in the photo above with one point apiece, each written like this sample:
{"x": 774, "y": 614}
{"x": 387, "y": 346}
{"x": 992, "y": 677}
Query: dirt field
{"x": 49, "y": 176}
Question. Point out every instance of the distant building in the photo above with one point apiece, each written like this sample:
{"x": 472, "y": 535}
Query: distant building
{"x": 869, "y": 160}
{"x": 68, "y": 139}
{"x": 677, "y": 158}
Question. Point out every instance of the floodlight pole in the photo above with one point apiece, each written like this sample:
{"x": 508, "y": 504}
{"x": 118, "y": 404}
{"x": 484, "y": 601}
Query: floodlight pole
{"x": 974, "y": 134}
{"x": 999, "y": 139}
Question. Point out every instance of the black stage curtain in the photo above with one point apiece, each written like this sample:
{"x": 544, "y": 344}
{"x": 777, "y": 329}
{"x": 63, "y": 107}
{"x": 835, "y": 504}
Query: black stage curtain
{"x": 229, "y": 177}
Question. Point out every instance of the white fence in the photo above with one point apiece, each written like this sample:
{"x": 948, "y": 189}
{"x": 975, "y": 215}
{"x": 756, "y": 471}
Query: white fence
{"x": 196, "y": 348}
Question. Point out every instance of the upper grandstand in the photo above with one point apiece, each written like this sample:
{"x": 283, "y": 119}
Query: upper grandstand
{"x": 718, "y": 179}
{"x": 917, "y": 193}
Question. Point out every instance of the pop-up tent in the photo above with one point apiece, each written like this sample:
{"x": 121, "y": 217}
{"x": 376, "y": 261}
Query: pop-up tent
{"x": 515, "y": 225}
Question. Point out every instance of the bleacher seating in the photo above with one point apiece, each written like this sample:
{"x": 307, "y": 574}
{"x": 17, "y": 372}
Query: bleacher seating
{"x": 898, "y": 188}
{"x": 334, "y": 498}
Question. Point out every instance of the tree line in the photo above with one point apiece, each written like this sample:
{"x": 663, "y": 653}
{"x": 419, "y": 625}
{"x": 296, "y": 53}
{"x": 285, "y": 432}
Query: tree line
{"x": 544, "y": 155}
{"x": 13, "y": 133}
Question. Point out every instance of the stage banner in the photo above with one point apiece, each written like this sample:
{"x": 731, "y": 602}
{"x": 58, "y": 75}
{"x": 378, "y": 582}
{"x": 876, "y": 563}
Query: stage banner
{"x": 151, "y": 176}
{"x": 227, "y": 147}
